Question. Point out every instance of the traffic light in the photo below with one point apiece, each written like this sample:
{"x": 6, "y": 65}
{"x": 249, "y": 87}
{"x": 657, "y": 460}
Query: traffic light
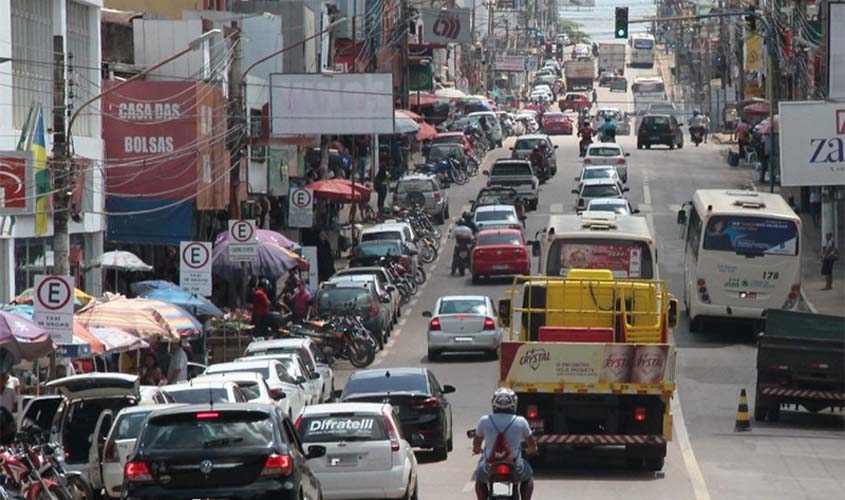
{"x": 621, "y": 22}
{"x": 750, "y": 19}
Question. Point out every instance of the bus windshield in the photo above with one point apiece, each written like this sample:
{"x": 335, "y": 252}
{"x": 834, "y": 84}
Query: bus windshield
{"x": 624, "y": 258}
{"x": 643, "y": 43}
{"x": 751, "y": 235}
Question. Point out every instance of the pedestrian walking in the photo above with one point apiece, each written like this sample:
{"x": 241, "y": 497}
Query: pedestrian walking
{"x": 816, "y": 205}
{"x": 301, "y": 301}
{"x": 829, "y": 257}
{"x": 381, "y": 188}
{"x": 705, "y": 122}
{"x": 260, "y": 310}
{"x": 363, "y": 151}
{"x": 595, "y": 98}
{"x": 178, "y": 370}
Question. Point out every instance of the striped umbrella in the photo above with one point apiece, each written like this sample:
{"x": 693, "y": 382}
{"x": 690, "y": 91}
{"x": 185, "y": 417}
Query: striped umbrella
{"x": 81, "y": 335}
{"x": 177, "y": 319}
{"x": 80, "y": 298}
{"x": 130, "y": 315}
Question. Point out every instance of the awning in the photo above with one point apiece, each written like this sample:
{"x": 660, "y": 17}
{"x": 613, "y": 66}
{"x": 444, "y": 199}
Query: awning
{"x": 340, "y": 190}
{"x": 426, "y": 131}
{"x": 149, "y": 222}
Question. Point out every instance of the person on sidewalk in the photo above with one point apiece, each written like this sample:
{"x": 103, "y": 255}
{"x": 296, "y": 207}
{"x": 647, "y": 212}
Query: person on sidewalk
{"x": 829, "y": 257}
{"x": 816, "y": 205}
{"x": 381, "y": 188}
{"x": 595, "y": 98}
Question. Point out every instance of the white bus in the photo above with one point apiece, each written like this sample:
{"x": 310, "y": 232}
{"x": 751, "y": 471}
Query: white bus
{"x": 742, "y": 255}
{"x": 642, "y": 50}
{"x": 624, "y": 244}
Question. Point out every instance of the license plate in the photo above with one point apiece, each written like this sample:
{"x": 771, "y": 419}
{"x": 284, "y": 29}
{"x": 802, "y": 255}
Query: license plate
{"x": 655, "y": 138}
{"x": 502, "y": 489}
{"x": 500, "y": 267}
{"x": 463, "y": 340}
{"x": 748, "y": 295}
{"x": 341, "y": 460}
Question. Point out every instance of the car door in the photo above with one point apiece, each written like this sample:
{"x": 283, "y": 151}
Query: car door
{"x": 312, "y": 382}
{"x": 95, "y": 451}
{"x": 445, "y": 407}
{"x": 308, "y": 481}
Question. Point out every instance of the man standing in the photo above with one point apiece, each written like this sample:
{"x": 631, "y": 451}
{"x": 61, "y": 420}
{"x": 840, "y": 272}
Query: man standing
{"x": 178, "y": 370}
{"x": 829, "y": 257}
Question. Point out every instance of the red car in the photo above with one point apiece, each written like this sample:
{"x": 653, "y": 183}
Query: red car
{"x": 556, "y": 123}
{"x": 574, "y": 102}
{"x": 499, "y": 251}
{"x": 453, "y": 138}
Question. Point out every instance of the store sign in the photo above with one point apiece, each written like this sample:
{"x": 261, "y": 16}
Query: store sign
{"x": 510, "y": 63}
{"x": 53, "y": 306}
{"x": 836, "y": 51}
{"x": 195, "y": 267}
{"x": 301, "y": 207}
{"x": 812, "y": 143}
{"x": 243, "y": 240}
{"x": 17, "y": 184}
{"x": 447, "y": 25}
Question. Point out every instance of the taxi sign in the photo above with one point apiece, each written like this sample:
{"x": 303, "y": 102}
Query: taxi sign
{"x": 243, "y": 240}
{"x": 195, "y": 267}
{"x": 53, "y": 306}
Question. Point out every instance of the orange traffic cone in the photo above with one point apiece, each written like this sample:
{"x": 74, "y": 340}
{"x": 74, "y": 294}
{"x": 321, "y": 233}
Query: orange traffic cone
{"x": 743, "y": 421}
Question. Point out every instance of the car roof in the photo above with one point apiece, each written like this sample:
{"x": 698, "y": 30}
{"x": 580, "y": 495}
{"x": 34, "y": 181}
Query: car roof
{"x": 481, "y": 113}
{"x": 322, "y": 409}
{"x": 454, "y": 133}
{"x": 390, "y": 226}
{"x": 147, "y": 408}
{"x": 609, "y": 201}
{"x": 275, "y": 343}
{"x": 382, "y": 228}
{"x": 218, "y": 407}
{"x": 273, "y": 355}
{"x": 415, "y": 177}
{"x": 463, "y": 297}
{"x": 185, "y": 386}
{"x": 605, "y": 145}
{"x": 532, "y": 136}
{"x": 229, "y": 376}
{"x": 362, "y": 278}
{"x": 245, "y": 363}
{"x": 504, "y": 161}
{"x": 351, "y": 271}
{"x": 495, "y": 208}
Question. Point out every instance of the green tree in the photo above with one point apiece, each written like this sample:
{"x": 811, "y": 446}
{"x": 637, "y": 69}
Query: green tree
{"x": 573, "y": 30}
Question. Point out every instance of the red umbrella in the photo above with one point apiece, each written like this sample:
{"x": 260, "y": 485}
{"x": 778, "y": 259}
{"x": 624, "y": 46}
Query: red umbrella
{"x": 426, "y": 131}
{"x": 340, "y": 190}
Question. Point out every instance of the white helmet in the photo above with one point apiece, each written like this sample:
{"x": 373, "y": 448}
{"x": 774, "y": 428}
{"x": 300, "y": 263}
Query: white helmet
{"x": 504, "y": 400}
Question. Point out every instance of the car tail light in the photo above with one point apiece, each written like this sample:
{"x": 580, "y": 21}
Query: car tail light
{"x": 374, "y": 311}
{"x": 207, "y": 415}
{"x": 489, "y": 324}
{"x": 702, "y": 290}
{"x": 587, "y": 161}
{"x": 620, "y": 161}
{"x": 531, "y": 412}
{"x": 426, "y": 404}
{"x": 434, "y": 324}
{"x": 110, "y": 454}
{"x": 276, "y": 393}
{"x": 792, "y": 299}
{"x": 391, "y": 432}
{"x": 639, "y": 414}
{"x": 535, "y": 183}
{"x": 489, "y": 183}
{"x": 277, "y": 465}
{"x": 820, "y": 366}
{"x": 298, "y": 423}
{"x": 437, "y": 197}
{"x": 502, "y": 470}
{"x": 137, "y": 472}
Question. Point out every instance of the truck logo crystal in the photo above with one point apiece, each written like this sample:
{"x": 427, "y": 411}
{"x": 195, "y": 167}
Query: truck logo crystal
{"x": 534, "y": 358}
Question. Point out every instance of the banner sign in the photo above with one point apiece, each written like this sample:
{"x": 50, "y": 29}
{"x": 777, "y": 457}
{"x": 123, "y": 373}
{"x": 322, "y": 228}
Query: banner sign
{"x": 510, "y": 63}
{"x": 17, "y": 183}
{"x": 811, "y": 141}
{"x": 576, "y": 3}
{"x": 836, "y": 51}
{"x": 446, "y": 26}
{"x": 586, "y": 363}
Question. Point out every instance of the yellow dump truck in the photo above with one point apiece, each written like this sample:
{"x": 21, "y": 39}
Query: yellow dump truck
{"x": 591, "y": 359}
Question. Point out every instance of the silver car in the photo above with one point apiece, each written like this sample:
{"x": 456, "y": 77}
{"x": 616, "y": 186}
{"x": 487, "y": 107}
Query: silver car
{"x": 463, "y": 323}
{"x": 436, "y": 201}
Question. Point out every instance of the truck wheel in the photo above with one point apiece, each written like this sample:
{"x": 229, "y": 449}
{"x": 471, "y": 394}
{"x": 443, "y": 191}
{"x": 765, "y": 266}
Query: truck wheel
{"x": 654, "y": 463}
{"x": 760, "y": 411}
{"x": 774, "y": 411}
{"x": 695, "y": 324}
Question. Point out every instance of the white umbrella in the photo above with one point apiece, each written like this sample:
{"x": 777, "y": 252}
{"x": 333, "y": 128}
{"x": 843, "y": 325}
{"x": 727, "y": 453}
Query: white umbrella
{"x": 117, "y": 340}
{"x": 121, "y": 260}
{"x": 450, "y": 93}
{"x": 404, "y": 124}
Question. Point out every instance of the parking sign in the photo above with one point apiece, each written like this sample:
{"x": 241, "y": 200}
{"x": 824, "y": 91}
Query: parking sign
{"x": 243, "y": 240}
{"x": 195, "y": 267}
{"x": 301, "y": 207}
{"x": 53, "y": 306}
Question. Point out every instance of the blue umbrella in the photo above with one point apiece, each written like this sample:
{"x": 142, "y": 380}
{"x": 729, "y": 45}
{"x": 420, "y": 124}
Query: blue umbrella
{"x": 142, "y": 287}
{"x": 200, "y": 306}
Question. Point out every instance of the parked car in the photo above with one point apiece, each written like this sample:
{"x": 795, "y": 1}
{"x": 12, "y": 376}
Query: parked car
{"x": 574, "y": 102}
{"x": 277, "y": 378}
{"x": 597, "y": 188}
{"x": 463, "y": 323}
{"x": 392, "y": 305}
{"x": 252, "y": 385}
{"x": 589, "y": 172}
{"x": 307, "y": 350}
{"x": 499, "y": 251}
{"x": 370, "y": 253}
{"x": 338, "y": 298}
{"x": 383, "y": 279}
{"x": 619, "y": 206}
{"x": 556, "y": 123}
{"x": 493, "y": 121}
{"x": 222, "y": 451}
{"x": 608, "y": 153}
{"x": 660, "y": 129}
{"x": 516, "y": 174}
{"x": 205, "y": 392}
{"x": 154, "y": 395}
{"x": 307, "y": 380}
{"x": 496, "y": 217}
{"x": 416, "y": 392}
{"x": 366, "y": 454}
{"x": 456, "y": 137}
{"x": 436, "y": 200}
{"x": 121, "y": 442}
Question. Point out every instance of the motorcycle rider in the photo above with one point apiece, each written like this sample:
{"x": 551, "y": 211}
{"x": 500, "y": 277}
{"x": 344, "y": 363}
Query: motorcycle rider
{"x": 464, "y": 233}
{"x": 515, "y": 431}
{"x": 585, "y": 132}
{"x": 696, "y": 123}
{"x": 608, "y": 130}
{"x": 537, "y": 158}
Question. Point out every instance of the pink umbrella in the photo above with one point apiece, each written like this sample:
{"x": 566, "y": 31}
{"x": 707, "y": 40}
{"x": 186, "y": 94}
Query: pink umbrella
{"x": 263, "y": 236}
{"x": 23, "y": 338}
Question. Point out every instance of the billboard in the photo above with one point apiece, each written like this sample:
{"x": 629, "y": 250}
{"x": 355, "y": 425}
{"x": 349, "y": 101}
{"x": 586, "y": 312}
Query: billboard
{"x": 341, "y": 103}
{"x": 510, "y": 63}
{"x": 166, "y": 140}
{"x": 447, "y": 26}
{"x": 812, "y": 143}
{"x": 836, "y": 51}
{"x": 17, "y": 183}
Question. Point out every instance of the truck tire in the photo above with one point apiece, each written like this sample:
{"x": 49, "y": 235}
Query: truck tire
{"x": 760, "y": 408}
{"x": 774, "y": 411}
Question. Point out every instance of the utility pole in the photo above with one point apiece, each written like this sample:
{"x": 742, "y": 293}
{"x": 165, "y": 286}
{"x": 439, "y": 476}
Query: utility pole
{"x": 404, "y": 85}
{"x": 238, "y": 115}
{"x": 61, "y": 164}
{"x": 491, "y": 47}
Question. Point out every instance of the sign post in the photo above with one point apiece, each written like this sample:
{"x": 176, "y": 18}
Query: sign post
{"x": 301, "y": 207}
{"x": 53, "y": 306}
{"x": 243, "y": 240}
{"x": 195, "y": 267}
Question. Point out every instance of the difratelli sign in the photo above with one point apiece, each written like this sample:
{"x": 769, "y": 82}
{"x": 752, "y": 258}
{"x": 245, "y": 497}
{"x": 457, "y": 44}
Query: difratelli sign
{"x": 446, "y": 26}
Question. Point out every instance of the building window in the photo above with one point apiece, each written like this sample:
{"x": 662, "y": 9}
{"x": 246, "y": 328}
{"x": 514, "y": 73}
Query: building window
{"x": 85, "y": 76}
{"x": 32, "y": 53}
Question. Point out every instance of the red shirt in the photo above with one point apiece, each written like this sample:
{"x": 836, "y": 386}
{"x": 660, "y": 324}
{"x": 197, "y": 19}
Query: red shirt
{"x": 260, "y": 303}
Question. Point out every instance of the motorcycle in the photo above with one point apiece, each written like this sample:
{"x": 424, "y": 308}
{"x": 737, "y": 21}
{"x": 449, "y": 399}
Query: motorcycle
{"x": 502, "y": 478}
{"x": 697, "y": 135}
{"x": 350, "y": 344}
{"x": 78, "y": 488}
{"x": 21, "y": 468}
{"x": 583, "y": 145}
{"x": 607, "y": 135}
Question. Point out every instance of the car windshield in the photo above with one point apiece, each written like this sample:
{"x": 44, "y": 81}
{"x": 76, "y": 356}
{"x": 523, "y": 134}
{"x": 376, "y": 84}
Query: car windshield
{"x": 410, "y": 185}
{"x": 604, "y": 151}
{"x": 379, "y": 248}
{"x": 613, "y": 115}
{"x": 494, "y": 215}
{"x": 656, "y": 121}
{"x": 382, "y": 235}
{"x": 128, "y": 426}
{"x": 643, "y": 43}
{"x": 342, "y": 427}
{"x": 554, "y": 116}
{"x": 624, "y": 258}
{"x": 499, "y": 239}
{"x": 527, "y": 143}
{"x": 606, "y": 206}
{"x": 207, "y": 429}
{"x": 600, "y": 191}
{"x": 336, "y": 298}
{"x": 396, "y": 382}
{"x": 462, "y": 306}
{"x": 598, "y": 173}
{"x": 510, "y": 169}
{"x": 751, "y": 235}
{"x": 199, "y": 395}
{"x": 448, "y": 139}
{"x": 573, "y": 97}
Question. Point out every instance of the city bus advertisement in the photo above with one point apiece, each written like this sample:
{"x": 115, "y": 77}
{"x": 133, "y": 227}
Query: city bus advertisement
{"x": 622, "y": 261}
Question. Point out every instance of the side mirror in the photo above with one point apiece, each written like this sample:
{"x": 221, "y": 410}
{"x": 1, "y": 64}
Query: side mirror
{"x": 315, "y": 451}
{"x": 448, "y": 389}
{"x": 385, "y": 299}
{"x": 627, "y": 155}
{"x": 574, "y": 191}
{"x": 635, "y": 210}
{"x": 577, "y": 178}
{"x": 625, "y": 190}
{"x": 673, "y": 313}
{"x": 682, "y": 216}
{"x": 426, "y": 314}
{"x": 390, "y": 288}
{"x": 301, "y": 380}
{"x": 504, "y": 314}
{"x": 315, "y": 376}
{"x": 277, "y": 394}
{"x": 412, "y": 252}
{"x": 511, "y": 148}
{"x": 556, "y": 146}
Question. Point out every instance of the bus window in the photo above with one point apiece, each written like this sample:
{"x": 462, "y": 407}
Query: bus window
{"x": 751, "y": 235}
{"x": 694, "y": 232}
{"x": 643, "y": 43}
{"x": 625, "y": 258}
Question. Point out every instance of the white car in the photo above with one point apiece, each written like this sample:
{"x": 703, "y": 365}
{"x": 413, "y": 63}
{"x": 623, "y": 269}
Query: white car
{"x": 597, "y": 188}
{"x": 121, "y": 442}
{"x": 251, "y": 384}
{"x": 608, "y": 153}
{"x": 366, "y": 456}
{"x": 276, "y": 375}
{"x": 600, "y": 172}
{"x": 619, "y": 206}
{"x": 463, "y": 323}
{"x": 307, "y": 350}
{"x": 192, "y": 393}
{"x": 308, "y": 380}
{"x": 152, "y": 394}
{"x": 496, "y": 217}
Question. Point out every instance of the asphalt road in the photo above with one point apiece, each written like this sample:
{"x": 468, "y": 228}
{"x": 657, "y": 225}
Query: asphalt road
{"x": 802, "y": 457}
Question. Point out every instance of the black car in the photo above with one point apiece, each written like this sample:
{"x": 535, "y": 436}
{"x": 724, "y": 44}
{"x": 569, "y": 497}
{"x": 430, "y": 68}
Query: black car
{"x": 660, "y": 129}
{"x": 424, "y": 412}
{"x": 236, "y": 451}
{"x": 369, "y": 253}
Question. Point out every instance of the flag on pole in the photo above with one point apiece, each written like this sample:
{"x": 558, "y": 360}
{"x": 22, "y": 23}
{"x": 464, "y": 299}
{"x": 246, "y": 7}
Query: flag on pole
{"x": 23, "y": 141}
{"x": 38, "y": 147}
